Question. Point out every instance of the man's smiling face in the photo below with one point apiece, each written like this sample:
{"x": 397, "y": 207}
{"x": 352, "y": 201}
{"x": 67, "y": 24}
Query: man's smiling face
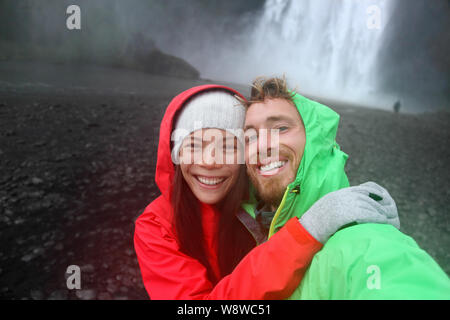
{"x": 272, "y": 164}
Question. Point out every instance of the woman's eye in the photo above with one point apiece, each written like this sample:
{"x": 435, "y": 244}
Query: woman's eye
{"x": 193, "y": 147}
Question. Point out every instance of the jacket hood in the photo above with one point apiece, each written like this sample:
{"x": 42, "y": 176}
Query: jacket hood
{"x": 164, "y": 166}
{"x": 322, "y": 167}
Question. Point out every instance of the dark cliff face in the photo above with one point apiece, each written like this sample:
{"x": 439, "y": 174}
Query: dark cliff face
{"x": 44, "y": 22}
{"x": 415, "y": 56}
{"x": 31, "y": 30}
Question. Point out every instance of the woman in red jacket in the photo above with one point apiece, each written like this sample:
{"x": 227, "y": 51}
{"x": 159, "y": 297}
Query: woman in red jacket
{"x": 191, "y": 242}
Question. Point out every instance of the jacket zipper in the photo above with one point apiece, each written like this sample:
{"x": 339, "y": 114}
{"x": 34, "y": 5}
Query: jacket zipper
{"x": 277, "y": 213}
{"x": 296, "y": 189}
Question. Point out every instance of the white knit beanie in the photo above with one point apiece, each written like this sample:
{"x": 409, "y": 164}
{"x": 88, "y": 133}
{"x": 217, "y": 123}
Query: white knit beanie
{"x": 211, "y": 109}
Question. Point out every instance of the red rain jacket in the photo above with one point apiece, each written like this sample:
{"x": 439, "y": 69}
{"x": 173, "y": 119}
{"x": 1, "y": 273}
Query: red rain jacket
{"x": 271, "y": 270}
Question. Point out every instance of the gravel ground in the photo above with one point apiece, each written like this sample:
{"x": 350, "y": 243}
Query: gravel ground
{"x": 409, "y": 156}
{"x": 74, "y": 176}
{"x": 77, "y": 168}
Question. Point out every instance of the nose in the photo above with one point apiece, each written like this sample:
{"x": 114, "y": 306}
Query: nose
{"x": 210, "y": 158}
{"x": 267, "y": 144}
{"x": 263, "y": 146}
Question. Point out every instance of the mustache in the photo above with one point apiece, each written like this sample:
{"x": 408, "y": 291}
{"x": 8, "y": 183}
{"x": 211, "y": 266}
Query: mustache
{"x": 272, "y": 154}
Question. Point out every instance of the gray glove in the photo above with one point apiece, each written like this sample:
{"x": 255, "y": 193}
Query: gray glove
{"x": 366, "y": 203}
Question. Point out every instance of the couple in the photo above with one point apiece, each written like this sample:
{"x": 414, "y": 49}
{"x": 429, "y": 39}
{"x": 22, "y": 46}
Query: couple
{"x": 286, "y": 224}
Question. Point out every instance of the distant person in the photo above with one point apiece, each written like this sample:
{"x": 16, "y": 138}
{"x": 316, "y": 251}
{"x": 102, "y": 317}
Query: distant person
{"x": 361, "y": 261}
{"x": 397, "y": 107}
{"x": 196, "y": 242}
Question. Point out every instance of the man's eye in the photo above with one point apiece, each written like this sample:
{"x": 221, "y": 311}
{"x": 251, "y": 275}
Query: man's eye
{"x": 282, "y": 128}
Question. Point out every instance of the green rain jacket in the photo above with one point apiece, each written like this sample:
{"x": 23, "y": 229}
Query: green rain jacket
{"x": 367, "y": 261}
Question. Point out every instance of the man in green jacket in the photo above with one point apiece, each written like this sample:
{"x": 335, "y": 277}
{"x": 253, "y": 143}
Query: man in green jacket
{"x": 301, "y": 165}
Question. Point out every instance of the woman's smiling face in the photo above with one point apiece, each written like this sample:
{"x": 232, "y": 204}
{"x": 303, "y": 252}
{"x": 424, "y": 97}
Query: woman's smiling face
{"x": 209, "y": 163}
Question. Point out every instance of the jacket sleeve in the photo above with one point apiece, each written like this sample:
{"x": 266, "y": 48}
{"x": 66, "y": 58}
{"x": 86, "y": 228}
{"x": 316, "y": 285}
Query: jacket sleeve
{"x": 272, "y": 270}
{"x": 373, "y": 261}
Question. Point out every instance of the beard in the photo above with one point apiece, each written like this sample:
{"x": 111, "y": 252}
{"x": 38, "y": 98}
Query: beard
{"x": 271, "y": 192}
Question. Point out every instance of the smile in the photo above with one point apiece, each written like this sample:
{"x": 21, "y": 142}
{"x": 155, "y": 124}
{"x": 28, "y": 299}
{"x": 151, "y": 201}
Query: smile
{"x": 272, "y": 168}
{"x": 210, "y": 181}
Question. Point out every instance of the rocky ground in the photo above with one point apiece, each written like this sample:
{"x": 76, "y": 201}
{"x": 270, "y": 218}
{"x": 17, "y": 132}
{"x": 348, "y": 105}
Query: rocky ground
{"x": 407, "y": 154}
{"x": 74, "y": 176}
{"x": 77, "y": 168}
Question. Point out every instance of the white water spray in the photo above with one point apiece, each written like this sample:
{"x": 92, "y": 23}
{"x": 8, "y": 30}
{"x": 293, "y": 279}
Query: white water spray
{"x": 326, "y": 48}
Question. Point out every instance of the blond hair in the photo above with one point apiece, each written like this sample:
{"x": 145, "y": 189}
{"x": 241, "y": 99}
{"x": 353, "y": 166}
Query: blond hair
{"x": 269, "y": 88}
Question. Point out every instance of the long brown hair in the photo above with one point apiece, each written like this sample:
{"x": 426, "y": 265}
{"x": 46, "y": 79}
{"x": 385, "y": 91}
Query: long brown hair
{"x": 234, "y": 241}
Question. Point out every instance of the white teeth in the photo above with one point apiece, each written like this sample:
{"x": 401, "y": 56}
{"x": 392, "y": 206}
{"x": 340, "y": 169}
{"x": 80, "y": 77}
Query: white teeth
{"x": 272, "y": 165}
{"x": 210, "y": 181}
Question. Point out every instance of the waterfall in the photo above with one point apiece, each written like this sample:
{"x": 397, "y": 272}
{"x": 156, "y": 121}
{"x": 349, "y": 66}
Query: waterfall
{"x": 326, "y": 48}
